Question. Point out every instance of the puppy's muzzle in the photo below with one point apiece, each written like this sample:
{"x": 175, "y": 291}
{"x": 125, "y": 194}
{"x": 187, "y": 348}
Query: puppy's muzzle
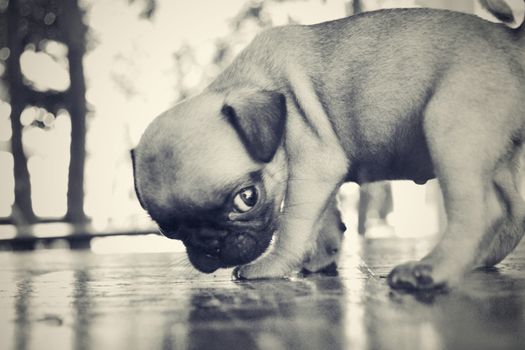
{"x": 207, "y": 240}
{"x": 210, "y": 249}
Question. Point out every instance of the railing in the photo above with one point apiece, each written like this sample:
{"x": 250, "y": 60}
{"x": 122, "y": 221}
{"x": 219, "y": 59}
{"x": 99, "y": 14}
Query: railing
{"x": 76, "y": 236}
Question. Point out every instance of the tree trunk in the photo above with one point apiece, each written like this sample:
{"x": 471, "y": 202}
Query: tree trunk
{"x": 74, "y": 31}
{"x": 22, "y": 208}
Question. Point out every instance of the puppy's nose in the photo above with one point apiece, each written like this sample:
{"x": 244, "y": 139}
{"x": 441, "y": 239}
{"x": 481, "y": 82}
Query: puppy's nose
{"x": 211, "y": 246}
{"x": 208, "y": 240}
{"x": 211, "y": 233}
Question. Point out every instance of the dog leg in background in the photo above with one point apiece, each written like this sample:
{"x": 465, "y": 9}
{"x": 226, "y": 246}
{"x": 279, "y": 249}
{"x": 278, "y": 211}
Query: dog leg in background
{"x": 375, "y": 203}
{"x": 325, "y": 255}
{"x": 505, "y": 235}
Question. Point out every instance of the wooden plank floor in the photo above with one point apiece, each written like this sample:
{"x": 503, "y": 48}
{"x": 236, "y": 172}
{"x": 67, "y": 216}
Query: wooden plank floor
{"x": 76, "y": 299}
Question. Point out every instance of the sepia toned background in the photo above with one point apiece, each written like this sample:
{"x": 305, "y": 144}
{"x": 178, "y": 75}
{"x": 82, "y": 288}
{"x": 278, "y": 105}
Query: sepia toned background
{"x": 83, "y": 267}
{"x": 80, "y": 80}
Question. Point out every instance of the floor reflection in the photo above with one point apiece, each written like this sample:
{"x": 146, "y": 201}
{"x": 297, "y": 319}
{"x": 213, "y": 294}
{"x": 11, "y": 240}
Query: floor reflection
{"x": 300, "y": 314}
{"x": 150, "y": 301}
{"x": 82, "y": 309}
{"x": 22, "y": 312}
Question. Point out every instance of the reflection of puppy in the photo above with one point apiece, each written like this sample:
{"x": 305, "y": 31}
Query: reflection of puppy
{"x": 395, "y": 94}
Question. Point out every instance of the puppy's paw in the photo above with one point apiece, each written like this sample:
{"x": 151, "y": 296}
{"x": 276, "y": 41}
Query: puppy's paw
{"x": 415, "y": 276}
{"x": 267, "y": 267}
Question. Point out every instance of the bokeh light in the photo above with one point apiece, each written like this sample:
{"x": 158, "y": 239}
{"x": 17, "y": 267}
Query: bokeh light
{"x": 48, "y": 161}
{"x": 43, "y": 71}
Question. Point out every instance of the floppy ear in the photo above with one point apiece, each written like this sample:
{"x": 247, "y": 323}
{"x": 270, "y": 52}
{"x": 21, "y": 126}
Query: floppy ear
{"x": 132, "y": 153}
{"x": 259, "y": 119}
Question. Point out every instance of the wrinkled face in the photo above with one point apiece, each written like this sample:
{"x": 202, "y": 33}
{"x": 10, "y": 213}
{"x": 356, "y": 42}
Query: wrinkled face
{"x": 232, "y": 229}
{"x": 197, "y": 181}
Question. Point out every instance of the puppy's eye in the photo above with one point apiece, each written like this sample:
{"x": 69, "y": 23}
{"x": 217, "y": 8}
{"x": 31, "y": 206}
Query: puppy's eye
{"x": 245, "y": 199}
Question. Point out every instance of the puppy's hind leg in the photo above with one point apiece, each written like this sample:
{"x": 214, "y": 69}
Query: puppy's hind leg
{"x": 464, "y": 162}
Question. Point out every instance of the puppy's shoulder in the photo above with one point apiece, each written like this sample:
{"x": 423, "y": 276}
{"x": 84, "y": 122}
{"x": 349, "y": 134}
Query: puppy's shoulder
{"x": 284, "y": 38}
{"x": 279, "y": 47}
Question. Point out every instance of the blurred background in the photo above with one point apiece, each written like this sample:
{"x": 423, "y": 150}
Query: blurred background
{"x": 81, "y": 79}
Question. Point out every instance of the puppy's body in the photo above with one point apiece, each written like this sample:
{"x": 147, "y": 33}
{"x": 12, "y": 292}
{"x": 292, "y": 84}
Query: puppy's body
{"x": 397, "y": 94}
{"x": 376, "y": 78}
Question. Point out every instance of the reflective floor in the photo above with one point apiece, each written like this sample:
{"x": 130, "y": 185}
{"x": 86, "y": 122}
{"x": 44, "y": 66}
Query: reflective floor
{"x": 76, "y": 299}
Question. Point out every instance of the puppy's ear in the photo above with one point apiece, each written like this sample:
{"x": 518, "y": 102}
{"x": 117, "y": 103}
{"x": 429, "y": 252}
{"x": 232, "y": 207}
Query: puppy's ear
{"x": 259, "y": 119}
{"x": 132, "y": 153}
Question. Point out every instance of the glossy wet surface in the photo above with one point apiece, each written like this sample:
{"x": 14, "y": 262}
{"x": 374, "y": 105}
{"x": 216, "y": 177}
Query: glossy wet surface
{"x": 76, "y": 299}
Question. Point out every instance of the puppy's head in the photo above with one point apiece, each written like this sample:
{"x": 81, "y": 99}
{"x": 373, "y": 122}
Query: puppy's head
{"x": 211, "y": 172}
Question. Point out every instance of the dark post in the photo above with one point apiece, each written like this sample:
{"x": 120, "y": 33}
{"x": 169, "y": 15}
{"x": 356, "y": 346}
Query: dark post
{"x": 22, "y": 208}
{"x": 74, "y": 31}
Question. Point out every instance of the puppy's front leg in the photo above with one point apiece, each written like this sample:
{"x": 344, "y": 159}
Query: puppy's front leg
{"x": 317, "y": 166}
{"x": 305, "y": 202}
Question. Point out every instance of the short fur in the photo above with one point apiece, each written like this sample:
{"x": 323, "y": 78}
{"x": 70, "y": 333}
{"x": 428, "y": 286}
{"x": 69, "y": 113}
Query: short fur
{"x": 392, "y": 94}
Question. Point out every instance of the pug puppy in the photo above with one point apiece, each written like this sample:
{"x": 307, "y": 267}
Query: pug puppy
{"x": 395, "y": 94}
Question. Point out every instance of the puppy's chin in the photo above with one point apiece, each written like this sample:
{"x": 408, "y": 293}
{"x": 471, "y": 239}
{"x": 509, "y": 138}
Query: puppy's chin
{"x": 204, "y": 262}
